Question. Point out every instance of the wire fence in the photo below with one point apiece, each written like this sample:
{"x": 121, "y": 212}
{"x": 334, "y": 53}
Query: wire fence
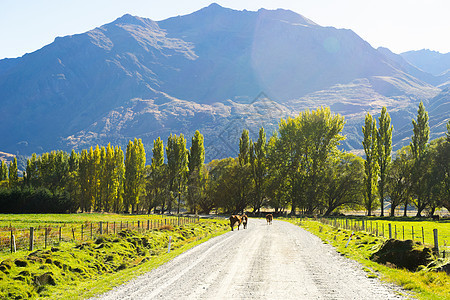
{"x": 392, "y": 231}
{"x": 14, "y": 239}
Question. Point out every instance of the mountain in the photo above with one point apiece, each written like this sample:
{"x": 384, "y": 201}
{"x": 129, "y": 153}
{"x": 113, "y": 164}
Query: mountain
{"x": 429, "y": 61}
{"x": 217, "y": 70}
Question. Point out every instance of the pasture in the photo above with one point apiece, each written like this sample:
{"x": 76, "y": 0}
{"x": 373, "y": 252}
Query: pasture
{"x": 80, "y": 269}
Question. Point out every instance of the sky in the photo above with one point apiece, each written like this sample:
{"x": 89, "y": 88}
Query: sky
{"x": 400, "y": 25}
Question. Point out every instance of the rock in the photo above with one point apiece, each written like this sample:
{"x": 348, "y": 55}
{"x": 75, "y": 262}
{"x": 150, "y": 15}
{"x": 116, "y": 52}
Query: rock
{"x": 403, "y": 254}
{"x": 44, "y": 279}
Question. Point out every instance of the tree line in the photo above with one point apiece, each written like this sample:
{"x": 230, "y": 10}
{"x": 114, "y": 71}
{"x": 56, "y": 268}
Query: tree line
{"x": 299, "y": 168}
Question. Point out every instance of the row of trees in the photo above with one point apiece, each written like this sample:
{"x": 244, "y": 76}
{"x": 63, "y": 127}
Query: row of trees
{"x": 299, "y": 168}
{"x": 419, "y": 174}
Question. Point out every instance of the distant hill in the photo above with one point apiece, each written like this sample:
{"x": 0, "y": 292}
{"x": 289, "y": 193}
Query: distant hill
{"x": 429, "y": 61}
{"x": 217, "y": 70}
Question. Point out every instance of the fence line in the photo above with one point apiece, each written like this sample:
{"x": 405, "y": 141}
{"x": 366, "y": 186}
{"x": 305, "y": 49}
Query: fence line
{"x": 390, "y": 232}
{"x": 14, "y": 239}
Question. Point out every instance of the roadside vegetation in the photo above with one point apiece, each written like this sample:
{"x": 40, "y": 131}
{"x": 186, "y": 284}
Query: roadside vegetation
{"x": 81, "y": 270}
{"x": 423, "y": 282}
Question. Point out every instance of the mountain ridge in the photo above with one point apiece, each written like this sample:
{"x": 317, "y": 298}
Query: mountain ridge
{"x": 206, "y": 70}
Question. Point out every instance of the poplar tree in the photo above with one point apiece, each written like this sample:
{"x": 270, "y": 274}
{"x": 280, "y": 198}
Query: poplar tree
{"x": 196, "y": 163}
{"x": 384, "y": 147}
{"x": 419, "y": 140}
{"x": 32, "y": 171}
{"x": 259, "y": 170}
{"x": 134, "y": 174}
{"x": 120, "y": 175}
{"x": 177, "y": 161}
{"x": 84, "y": 181}
{"x": 371, "y": 162}
{"x": 243, "y": 171}
{"x": 13, "y": 177}
{"x": 3, "y": 171}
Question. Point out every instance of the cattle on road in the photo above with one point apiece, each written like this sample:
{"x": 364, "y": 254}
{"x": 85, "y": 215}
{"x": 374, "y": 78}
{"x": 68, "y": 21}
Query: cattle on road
{"x": 235, "y": 219}
{"x": 269, "y": 218}
{"x": 244, "y": 220}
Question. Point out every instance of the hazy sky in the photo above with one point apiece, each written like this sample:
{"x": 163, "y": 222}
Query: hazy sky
{"x": 400, "y": 25}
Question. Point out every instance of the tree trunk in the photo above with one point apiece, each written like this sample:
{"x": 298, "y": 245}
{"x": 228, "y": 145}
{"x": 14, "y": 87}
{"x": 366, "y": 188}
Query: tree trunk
{"x": 406, "y": 209}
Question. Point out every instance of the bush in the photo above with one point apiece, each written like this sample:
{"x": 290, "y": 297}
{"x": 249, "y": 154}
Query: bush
{"x": 30, "y": 200}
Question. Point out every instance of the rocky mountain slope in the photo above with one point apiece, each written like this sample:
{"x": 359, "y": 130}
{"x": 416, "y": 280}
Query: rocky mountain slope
{"x": 216, "y": 70}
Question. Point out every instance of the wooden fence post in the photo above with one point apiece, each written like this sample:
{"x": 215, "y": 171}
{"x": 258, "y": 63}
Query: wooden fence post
{"x": 81, "y": 232}
{"x": 390, "y": 231}
{"x": 45, "y": 238}
{"x": 101, "y": 227}
{"x": 12, "y": 241}
{"x": 395, "y": 226}
{"x": 114, "y": 227}
{"x": 403, "y": 228}
{"x": 423, "y": 237}
{"x": 412, "y": 233}
{"x": 31, "y": 238}
{"x": 60, "y": 234}
{"x": 91, "y": 232}
{"x": 107, "y": 225}
{"x": 436, "y": 242}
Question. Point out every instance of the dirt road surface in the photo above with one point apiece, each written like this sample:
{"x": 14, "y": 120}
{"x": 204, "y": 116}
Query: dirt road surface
{"x": 278, "y": 261}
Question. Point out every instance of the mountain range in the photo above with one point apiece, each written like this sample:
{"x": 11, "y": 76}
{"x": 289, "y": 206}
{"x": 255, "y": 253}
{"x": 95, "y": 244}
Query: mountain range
{"x": 217, "y": 70}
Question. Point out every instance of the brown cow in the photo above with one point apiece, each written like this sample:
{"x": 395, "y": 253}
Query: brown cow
{"x": 244, "y": 220}
{"x": 269, "y": 218}
{"x": 235, "y": 219}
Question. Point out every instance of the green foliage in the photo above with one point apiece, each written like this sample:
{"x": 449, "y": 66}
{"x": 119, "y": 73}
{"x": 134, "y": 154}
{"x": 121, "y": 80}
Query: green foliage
{"x": 134, "y": 174}
{"x": 196, "y": 175}
{"x": 343, "y": 176}
{"x": 177, "y": 161}
{"x": 258, "y": 157}
{"x": 384, "y": 147}
{"x": 418, "y": 144}
{"x": 13, "y": 177}
{"x": 30, "y": 200}
{"x": 3, "y": 171}
{"x": 398, "y": 180}
{"x": 371, "y": 162}
{"x": 298, "y": 157}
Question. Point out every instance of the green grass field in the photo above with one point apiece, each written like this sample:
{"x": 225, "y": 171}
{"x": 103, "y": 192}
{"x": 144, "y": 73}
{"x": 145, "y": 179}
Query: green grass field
{"x": 422, "y": 284}
{"x": 28, "y": 220}
{"x": 79, "y": 270}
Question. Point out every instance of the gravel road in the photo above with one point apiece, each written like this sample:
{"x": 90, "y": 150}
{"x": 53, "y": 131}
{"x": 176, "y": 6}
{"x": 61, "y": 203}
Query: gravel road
{"x": 278, "y": 261}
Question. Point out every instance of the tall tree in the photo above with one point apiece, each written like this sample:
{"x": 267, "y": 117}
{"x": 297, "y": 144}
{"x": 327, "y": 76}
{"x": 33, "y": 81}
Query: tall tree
{"x": 177, "y": 161}
{"x": 13, "y": 176}
{"x": 371, "y": 162}
{"x": 155, "y": 178}
{"x": 196, "y": 170}
{"x": 321, "y": 131}
{"x": 134, "y": 174}
{"x": 243, "y": 171}
{"x": 419, "y": 141}
{"x": 384, "y": 147}
{"x": 120, "y": 175}
{"x": 84, "y": 180}
{"x": 32, "y": 171}
{"x": 3, "y": 171}
{"x": 259, "y": 169}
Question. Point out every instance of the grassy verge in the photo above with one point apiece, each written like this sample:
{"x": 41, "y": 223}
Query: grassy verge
{"x": 79, "y": 271}
{"x": 422, "y": 284}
